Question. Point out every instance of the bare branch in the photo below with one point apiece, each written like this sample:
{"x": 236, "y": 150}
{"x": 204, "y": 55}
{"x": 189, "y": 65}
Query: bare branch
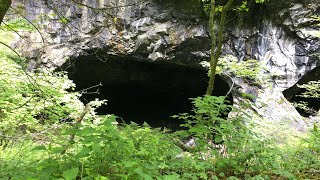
{"x": 11, "y": 49}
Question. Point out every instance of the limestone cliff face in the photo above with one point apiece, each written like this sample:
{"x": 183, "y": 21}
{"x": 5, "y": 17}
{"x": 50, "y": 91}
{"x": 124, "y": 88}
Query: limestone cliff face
{"x": 280, "y": 34}
{"x": 144, "y": 30}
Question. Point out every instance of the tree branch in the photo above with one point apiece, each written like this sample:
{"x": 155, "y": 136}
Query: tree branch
{"x": 4, "y": 6}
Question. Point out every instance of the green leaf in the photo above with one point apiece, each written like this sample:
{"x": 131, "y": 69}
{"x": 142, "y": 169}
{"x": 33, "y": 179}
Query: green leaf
{"x": 47, "y": 172}
{"x": 129, "y": 164}
{"x": 214, "y": 178}
{"x": 224, "y": 126}
{"x": 315, "y": 127}
{"x": 222, "y": 174}
{"x": 39, "y": 148}
{"x": 287, "y": 174}
{"x": 96, "y": 148}
{"x": 171, "y": 177}
{"x": 57, "y": 150}
{"x": 218, "y": 139}
{"x": 71, "y": 174}
{"x": 84, "y": 152}
{"x": 232, "y": 178}
{"x": 140, "y": 172}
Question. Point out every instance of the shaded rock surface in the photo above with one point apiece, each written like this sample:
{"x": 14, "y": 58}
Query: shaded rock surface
{"x": 176, "y": 32}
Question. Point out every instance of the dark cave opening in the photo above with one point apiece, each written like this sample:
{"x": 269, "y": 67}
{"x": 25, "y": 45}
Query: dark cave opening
{"x": 312, "y": 103}
{"x": 141, "y": 91}
{"x": 293, "y": 94}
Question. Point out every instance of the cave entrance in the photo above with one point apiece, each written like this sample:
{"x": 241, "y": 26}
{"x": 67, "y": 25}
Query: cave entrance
{"x": 293, "y": 94}
{"x": 141, "y": 91}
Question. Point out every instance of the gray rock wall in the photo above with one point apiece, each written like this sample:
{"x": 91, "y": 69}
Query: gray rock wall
{"x": 278, "y": 34}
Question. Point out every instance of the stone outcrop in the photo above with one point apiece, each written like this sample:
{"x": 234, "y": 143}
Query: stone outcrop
{"x": 279, "y": 34}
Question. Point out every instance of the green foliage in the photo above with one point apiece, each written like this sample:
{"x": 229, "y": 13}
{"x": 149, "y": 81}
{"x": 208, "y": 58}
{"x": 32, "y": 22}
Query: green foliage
{"x": 30, "y": 100}
{"x": 313, "y": 141}
{"x": 242, "y": 152}
{"x": 102, "y": 149}
{"x": 250, "y": 70}
{"x": 208, "y": 111}
{"x": 243, "y": 7}
{"x": 224, "y": 148}
{"x": 260, "y": 1}
{"x": 18, "y": 24}
{"x": 312, "y": 90}
{"x": 32, "y": 103}
{"x": 16, "y": 161}
{"x": 245, "y": 152}
{"x": 240, "y": 6}
{"x": 305, "y": 158}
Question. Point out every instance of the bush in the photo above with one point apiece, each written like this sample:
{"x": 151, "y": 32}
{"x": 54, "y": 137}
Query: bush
{"x": 31, "y": 101}
{"x": 103, "y": 149}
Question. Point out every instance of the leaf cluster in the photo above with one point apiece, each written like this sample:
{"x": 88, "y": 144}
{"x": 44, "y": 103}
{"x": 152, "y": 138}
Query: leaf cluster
{"x": 251, "y": 70}
{"x": 312, "y": 90}
{"x": 18, "y": 24}
{"x": 239, "y": 7}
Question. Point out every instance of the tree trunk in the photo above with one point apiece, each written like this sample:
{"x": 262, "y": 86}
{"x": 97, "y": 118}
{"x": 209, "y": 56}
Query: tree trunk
{"x": 4, "y": 6}
{"x": 213, "y": 46}
{"x": 214, "y": 56}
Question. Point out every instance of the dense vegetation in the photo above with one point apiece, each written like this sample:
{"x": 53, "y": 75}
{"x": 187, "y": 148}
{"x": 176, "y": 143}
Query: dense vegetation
{"x": 47, "y": 133}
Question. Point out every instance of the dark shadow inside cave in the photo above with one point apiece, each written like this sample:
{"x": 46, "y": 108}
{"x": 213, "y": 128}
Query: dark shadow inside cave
{"x": 141, "y": 91}
{"x": 293, "y": 94}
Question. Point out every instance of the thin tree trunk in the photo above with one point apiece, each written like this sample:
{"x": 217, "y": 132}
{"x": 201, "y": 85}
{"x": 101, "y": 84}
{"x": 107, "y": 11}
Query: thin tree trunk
{"x": 214, "y": 56}
{"x": 213, "y": 46}
{"x": 4, "y": 6}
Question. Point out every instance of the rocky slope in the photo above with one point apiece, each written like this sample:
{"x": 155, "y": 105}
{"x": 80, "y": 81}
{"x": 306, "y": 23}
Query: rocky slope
{"x": 278, "y": 34}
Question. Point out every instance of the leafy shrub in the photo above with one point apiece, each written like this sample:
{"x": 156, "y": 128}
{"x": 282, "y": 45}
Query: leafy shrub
{"x": 29, "y": 100}
{"x": 98, "y": 148}
{"x": 103, "y": 149}
{"x": 32, "y": 102}
{"x": 242, "y": 150}
{"x": 250, "y": 70}
{"x": 16, "y": 161}
{"x": 306, "y": 158}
